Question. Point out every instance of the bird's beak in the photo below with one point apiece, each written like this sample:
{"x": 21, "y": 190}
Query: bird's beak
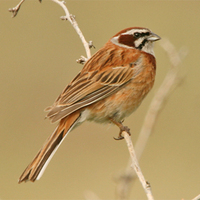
{"x": 153, "y": 37}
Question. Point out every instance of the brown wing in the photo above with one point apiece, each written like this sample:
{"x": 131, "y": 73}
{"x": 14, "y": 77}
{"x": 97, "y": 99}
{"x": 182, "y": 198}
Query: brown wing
{"x": 90, "y": 86}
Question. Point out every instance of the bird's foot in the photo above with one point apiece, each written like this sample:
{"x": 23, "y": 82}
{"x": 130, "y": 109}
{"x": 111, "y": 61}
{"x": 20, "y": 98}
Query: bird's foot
{"x": 122, "y": 129}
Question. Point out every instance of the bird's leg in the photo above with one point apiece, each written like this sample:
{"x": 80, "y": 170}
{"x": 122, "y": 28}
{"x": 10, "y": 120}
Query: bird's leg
{"x": 122, "y": 128}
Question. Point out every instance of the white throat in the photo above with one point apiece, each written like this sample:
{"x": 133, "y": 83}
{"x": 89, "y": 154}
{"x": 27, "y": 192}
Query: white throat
{"x": 148, "y": 48}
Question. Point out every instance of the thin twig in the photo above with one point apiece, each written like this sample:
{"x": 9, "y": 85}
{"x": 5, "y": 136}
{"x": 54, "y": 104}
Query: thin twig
{"x": 15, "y": 9}
{"x": 136, "y": 167}
{"x": 72, "y": 20}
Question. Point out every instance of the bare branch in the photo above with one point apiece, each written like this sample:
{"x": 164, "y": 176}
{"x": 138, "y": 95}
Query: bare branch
{"x": 136, "y": 167}
{"x": 15, "y": 9}
{"x": 90, "y": 43}
{"x": 72, "y": 20}
{"x": 197, "y": 197}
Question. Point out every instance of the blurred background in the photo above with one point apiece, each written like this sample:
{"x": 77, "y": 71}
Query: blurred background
{"x": 37, "y": 60}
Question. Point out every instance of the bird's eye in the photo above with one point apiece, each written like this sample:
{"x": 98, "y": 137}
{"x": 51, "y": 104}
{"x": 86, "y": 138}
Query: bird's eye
{"x": 137, "y": 35}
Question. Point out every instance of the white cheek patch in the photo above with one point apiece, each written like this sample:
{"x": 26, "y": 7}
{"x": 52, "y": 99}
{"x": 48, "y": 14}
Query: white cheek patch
{"x": 138, "y": 42}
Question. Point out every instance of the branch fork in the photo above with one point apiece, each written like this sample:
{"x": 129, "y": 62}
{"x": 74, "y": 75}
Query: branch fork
{"x": 15, "y": 9}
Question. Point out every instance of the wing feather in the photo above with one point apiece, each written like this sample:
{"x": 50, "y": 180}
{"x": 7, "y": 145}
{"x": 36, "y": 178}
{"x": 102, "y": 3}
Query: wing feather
{"x": 89, "y": 99}
{"x": 92, "y": 85}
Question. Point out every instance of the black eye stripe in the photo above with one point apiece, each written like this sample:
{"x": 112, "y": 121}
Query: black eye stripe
{"x": 138, "y": 35}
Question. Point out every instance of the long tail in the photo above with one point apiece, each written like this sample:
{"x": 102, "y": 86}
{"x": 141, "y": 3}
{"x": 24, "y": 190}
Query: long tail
{"x": 36, "y": 168}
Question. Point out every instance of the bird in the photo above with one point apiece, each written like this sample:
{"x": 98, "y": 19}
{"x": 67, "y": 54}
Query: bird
{"x": 111, "y": 85}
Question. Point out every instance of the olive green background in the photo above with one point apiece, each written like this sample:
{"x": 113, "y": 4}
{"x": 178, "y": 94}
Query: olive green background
{"x": 37, "y": 60}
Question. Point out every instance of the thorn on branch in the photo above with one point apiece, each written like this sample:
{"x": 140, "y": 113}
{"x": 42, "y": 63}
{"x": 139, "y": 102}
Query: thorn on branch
{"x": 90, "y": 44}
{"x": 82, "y": 60}
{"x": 15, "y": 10}
{"x": 63, "y": 18}
{"x": 148, "y": 184}
{"x": 72, "y": 17}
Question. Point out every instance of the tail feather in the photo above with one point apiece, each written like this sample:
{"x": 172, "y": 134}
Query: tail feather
{"x": 36, "y": 168}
